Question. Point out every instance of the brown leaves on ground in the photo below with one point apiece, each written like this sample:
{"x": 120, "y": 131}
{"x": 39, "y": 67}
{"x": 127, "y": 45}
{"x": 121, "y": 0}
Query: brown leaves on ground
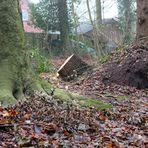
{"x": 124, "y": 126}
{"x": 40, "y": 121}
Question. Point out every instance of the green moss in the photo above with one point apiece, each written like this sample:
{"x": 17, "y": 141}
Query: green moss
{"x": 80, "y": 100}
{"x": 12, "y": 64}
{"x": 11, "y": 30}
{"x": 122, "y": 97}
{"x": 116, "y": 96}
{"x": 7, "y": 70}
{"x": 90, "y": 102}
{"x": 105, "y": 59}
{"x": 7, "y": 99}
{"x": 73, "y": 98}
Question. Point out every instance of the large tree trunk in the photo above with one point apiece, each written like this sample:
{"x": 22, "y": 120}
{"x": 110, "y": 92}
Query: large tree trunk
{"x": 14, "y": 69}
{"x": 142, "y": 19}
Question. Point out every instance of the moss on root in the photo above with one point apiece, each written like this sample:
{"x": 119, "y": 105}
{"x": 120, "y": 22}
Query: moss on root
{"x": 6, "y": 82}
{"x": 73, "y": 98}
{"x": 116, "y": 96}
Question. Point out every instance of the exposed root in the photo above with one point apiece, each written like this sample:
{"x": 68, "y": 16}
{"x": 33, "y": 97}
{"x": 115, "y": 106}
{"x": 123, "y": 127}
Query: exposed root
{"x": 7, "y": 99}
{"x": 18, "y": 93}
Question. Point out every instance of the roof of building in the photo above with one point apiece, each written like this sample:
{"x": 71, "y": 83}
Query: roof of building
{"x": 31, "y": 28}
{"x": 110, "y": 21}
{"x": 85, "y": 27}
{"x": 28, "y": 25}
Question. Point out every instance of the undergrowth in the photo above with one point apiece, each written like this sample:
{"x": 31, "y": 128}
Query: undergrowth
{"x": 40, "y": 62}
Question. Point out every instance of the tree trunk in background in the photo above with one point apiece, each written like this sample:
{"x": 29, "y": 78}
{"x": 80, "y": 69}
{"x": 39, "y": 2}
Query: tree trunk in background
{"x": 142, "y": 19}
{"x": 98, "y": 12}
{"x": 14, "y": 69}
{"x": 126, "y": 13}
{"x": 76, "y": 24}
{"x": 63, "y": 19}
{"x": 128, "y": 25}
{"x": 95, "y": 36}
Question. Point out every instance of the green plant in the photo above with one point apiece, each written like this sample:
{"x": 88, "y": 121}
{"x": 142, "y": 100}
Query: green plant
{"x": 39, "y": 62}
{"x": 105, "y": 59}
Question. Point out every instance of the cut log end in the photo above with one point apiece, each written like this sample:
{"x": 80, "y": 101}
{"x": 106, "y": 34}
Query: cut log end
{"x": 72, "y": 67}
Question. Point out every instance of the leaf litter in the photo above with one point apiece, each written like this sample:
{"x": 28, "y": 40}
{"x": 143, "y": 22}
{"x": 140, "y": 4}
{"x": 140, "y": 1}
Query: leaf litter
{"x": 123, "y": 126}
{"x": 41, "y": 121}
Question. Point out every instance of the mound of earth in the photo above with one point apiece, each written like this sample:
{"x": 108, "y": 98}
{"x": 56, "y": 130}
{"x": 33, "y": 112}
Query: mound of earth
{"x": 129, "y": 67}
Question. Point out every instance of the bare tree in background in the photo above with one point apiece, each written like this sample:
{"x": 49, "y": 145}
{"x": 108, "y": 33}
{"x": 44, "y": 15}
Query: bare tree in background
{"x": 95, "y": 27}
{"x": 126, "y": 12}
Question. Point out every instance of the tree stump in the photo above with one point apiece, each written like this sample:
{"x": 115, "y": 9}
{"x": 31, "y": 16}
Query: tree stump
{"x": 72, "y": 67}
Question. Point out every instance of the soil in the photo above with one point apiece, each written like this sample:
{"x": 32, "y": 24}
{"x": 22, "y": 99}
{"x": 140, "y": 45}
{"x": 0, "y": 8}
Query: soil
{"x": 129, "y": 67}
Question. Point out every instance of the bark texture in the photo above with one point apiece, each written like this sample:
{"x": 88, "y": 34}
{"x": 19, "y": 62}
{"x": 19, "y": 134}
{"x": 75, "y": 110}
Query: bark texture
{"x": 64, "y": 25}
{"x": 142, "y": 19}
{"x": 128, "y": 22}
{"x": 14, "y": 69}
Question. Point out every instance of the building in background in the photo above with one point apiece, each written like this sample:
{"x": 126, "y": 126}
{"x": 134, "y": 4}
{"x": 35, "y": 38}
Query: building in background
{"x": 110, "y": 32}
{"x": 34, "y": 35}
{"x": 26, "y": 17}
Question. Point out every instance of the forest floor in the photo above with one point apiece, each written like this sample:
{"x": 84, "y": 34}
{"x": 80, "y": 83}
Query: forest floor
{"x": 41, "y": 121}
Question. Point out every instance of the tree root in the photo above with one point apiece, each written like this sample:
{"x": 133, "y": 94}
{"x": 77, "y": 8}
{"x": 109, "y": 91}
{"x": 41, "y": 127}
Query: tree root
{"x": 73, "y": 98}
{"x": 7, "y": 98}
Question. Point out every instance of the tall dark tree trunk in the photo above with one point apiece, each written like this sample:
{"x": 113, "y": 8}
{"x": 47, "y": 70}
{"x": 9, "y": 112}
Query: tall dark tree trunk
{"x": 142, "y": 19}
{"x": 14, "y": 70}
{"x": 63, "y": 22}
